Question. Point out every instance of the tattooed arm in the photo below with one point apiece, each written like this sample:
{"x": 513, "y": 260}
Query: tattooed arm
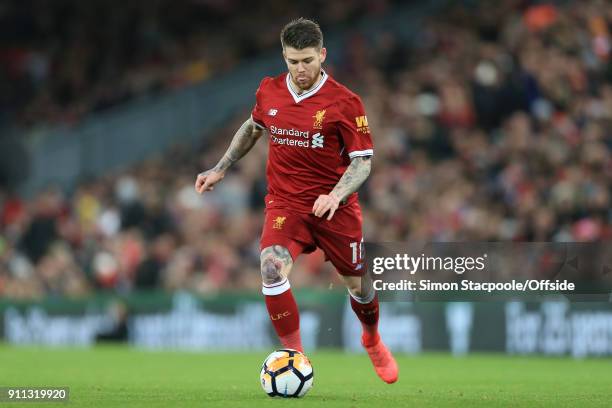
{"x": 354, "y": 176}
{"x": 243, "y": 141}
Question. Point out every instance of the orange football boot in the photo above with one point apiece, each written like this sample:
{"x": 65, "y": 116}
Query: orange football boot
{"x": 382, "y": 359}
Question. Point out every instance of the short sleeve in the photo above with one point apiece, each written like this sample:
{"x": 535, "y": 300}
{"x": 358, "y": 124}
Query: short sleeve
{"x": 354, "y": 128}
{"x": 258, "y": 111}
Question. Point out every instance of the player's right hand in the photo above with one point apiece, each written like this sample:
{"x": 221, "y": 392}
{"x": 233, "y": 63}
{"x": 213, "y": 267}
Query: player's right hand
{"x": 206, "y": 180}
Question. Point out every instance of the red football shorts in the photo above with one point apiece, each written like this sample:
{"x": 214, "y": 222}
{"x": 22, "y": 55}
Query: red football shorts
{"x": 340, "y": 238}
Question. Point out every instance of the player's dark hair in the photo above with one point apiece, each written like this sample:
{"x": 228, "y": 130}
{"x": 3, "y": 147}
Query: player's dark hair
{"x": 302, "y": 33}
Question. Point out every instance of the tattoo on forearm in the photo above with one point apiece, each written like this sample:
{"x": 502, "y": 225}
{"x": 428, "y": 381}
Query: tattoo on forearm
{"x": 354, "y": 176}
{"x": 243, "y": 141}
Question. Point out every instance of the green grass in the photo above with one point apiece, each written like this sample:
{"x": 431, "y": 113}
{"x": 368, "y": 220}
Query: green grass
{"x": 124, "y": 377}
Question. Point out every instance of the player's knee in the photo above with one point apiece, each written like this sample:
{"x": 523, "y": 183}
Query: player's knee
{"x": 271, "y": 271}
{"x": 359, "y": 288}
{"x": 356, "y": 291}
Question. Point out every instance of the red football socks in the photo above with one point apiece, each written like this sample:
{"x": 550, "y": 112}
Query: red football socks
{"x": 382, "y": 359}
{"x": 367, "y": 313}
{"x": 284, "y": 314}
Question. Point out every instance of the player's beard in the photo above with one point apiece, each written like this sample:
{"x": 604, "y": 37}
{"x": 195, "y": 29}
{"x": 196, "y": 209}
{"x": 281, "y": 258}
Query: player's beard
{"x": 304, "y": 82}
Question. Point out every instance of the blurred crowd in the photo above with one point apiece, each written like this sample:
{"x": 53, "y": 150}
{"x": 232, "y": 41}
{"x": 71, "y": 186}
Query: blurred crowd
{"x": 494, "y": 125}
{"x": 62, "y": 59}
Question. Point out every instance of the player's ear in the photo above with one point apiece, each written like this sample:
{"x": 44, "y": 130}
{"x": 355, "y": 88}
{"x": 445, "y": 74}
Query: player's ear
{"x": 323, "y": 54}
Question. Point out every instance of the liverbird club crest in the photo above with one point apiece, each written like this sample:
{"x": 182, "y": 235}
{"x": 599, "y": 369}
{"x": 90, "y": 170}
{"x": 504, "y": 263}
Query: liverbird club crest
{"x": 279, "y": 222}
{"x": 318, "y": 119}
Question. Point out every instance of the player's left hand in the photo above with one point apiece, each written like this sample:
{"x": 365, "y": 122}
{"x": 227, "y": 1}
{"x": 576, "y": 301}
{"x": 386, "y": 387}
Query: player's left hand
{"x": 326, "y": 202}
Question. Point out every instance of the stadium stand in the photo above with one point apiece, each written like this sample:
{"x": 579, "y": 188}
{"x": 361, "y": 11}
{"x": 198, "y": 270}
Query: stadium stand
{"x": 493, "y": 125}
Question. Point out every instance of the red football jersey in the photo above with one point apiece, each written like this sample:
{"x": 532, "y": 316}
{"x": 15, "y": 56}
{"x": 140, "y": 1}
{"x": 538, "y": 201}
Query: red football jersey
{"x": 313, "y": 137}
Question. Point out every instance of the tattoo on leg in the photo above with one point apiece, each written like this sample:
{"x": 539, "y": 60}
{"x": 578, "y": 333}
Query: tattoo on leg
{"x": 275, "y": 264}
{"x": 271, "y": 271}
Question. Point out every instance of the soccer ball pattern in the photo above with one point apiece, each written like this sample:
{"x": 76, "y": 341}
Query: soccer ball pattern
{"x": 286, "y": 373}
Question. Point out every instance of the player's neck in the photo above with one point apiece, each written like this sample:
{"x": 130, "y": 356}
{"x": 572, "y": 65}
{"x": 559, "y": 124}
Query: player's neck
{"x": 299, "y": 90}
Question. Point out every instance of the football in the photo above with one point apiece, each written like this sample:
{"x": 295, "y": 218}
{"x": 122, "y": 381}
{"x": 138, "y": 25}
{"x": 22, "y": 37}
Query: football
{"x": 286, "y": 373}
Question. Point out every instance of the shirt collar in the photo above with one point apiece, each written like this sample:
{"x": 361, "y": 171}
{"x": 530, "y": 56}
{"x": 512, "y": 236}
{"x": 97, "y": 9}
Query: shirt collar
{"x": 307, "y": 94}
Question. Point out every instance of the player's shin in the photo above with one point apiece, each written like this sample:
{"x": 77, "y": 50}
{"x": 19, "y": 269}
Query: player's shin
{"x": 366, "y": 309}
{"x": 284, "y": 314}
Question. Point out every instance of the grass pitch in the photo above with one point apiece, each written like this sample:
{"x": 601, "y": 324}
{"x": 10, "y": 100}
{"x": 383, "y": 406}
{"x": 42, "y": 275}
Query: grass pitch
{"x": 124, "y": 377}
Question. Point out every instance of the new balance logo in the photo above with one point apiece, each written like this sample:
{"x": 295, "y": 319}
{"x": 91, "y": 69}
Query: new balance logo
{"x": 272, "y": 112}
{"x": 317, "y": 140}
